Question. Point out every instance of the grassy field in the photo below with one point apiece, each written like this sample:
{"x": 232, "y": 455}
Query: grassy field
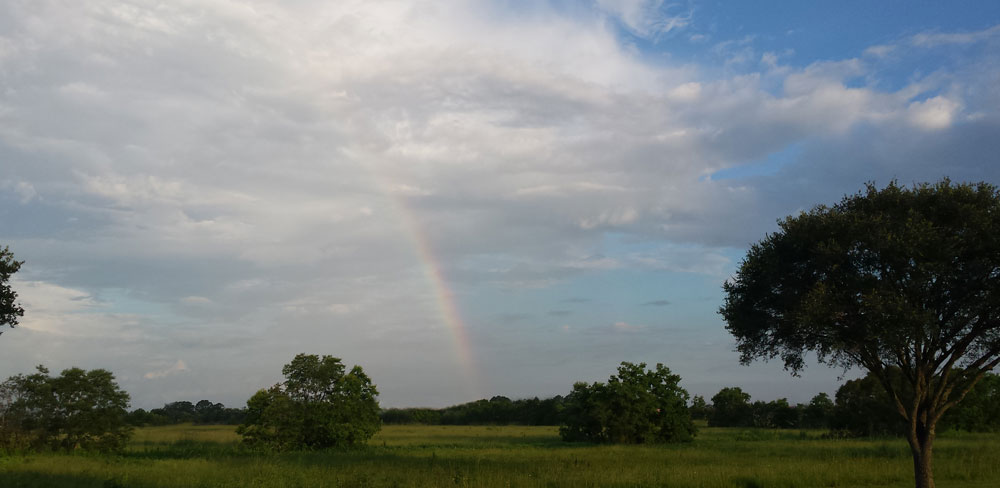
{"x": 417, "y": 456}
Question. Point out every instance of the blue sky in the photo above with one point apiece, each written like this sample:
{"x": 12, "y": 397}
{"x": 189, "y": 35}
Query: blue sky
{"x": 202, "y": 190}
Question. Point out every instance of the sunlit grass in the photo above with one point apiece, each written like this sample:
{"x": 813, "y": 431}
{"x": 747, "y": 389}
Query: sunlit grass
{"x": 416, "y": 456}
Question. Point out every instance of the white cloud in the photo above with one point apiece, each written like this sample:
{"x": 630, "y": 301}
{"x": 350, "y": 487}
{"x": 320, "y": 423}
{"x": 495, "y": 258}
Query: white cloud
{"x": 934, "y": 113}
{"x": 648, "y": 18}
{"x": 933, "y": 39}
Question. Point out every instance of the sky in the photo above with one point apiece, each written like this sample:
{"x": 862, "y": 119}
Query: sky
{"x": 466, "y": 198}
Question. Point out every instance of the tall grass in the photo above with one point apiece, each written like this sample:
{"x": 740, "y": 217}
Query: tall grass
{"x": 473, "y": 456}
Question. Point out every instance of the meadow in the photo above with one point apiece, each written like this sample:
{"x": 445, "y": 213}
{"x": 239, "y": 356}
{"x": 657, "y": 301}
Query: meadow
{"x": 510, "y": 456}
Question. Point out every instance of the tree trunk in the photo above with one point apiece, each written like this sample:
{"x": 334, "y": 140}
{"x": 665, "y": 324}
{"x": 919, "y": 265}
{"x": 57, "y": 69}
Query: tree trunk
{"x": 921, "y": 439}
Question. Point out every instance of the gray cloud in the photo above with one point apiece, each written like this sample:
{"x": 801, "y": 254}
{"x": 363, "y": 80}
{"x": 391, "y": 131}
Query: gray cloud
{"x": 230, "y": 188}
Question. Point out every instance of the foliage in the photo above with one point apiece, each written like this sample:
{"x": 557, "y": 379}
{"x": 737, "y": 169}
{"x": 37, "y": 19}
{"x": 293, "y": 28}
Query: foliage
{"x": 980, "y": 409}
{"x": 700, "y": 409}
{"x": 635, "y": 406}
{"x": 77, "y": 409}
{"x": 10, "y": 310}
{"x": 204, "y": 412}
{"x": 892, "y": 277}
{"x": 863, "y": 408}
{"x": 731, "y": 408}
{"x": 816, "y": 415}
{"x": 319, "y": 405}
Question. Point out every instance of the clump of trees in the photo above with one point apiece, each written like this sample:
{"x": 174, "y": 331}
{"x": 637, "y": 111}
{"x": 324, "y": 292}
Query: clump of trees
{"x": 887, "y": 278}
{"x": 319, "y": 405}
{"x": 498, "y": 410}
{"x": 635, "y": 406}
{"x": 204, "y": 412}
{"x": 76, "y": 410}
{"x": 731, "y": 407}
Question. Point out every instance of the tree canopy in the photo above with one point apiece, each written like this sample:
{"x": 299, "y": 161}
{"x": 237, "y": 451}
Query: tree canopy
{"x": 10, "y": 310}
{"x": 893, "y": 277}
{"x": 635, "y": 406}
{"x": 319, "y": 405}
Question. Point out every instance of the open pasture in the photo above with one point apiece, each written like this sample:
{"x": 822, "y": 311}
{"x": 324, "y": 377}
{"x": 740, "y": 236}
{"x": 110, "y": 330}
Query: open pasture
{"x": 465, "y": 456}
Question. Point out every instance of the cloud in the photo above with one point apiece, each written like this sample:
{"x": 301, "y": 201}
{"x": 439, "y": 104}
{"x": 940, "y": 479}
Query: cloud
{"x": 176, "y": 368}
{"x": 648, "y": 18}
{"x": 626, "y": 327}
{"x": 934, "y": 39}
{"x": 242, "y": 183}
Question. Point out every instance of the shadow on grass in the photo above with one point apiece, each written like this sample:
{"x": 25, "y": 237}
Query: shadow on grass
{"x": 47, "y": 480}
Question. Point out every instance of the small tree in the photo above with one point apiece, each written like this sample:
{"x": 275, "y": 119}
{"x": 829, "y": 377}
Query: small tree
{"x": 892, "y": 277}
{"x": 318, "y": 406}
{"x": 635, "y": 406}
{"x": 10, "y": 310}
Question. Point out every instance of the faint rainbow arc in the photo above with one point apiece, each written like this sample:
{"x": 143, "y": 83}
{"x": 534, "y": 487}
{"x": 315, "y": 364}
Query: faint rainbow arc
{"x": 446, "y": 304}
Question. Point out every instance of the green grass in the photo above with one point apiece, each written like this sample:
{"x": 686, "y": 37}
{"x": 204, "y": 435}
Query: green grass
{"x": 418, "y": 456}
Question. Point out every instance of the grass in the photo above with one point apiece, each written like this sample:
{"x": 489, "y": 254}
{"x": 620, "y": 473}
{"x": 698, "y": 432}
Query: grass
{"x": 460, "y": 456}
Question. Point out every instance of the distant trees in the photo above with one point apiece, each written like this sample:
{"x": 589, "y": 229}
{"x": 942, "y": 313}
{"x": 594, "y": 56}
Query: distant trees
{"x": 76, "y": 410}
{"x": 203, "y": 412}
{"x": 10, "y": 310}
{"x": 863, "y": 408}
{"x": 816, "y": 415}
{"x": 887, "y": 278}
{"x": 731, "y": 408}
{"x": 498, "y": 410}
{"x": 980, "y": 410}
{"x": 319, "y": 405}
{"x": 635, "y": 406}
{"x": 700, "y": 409}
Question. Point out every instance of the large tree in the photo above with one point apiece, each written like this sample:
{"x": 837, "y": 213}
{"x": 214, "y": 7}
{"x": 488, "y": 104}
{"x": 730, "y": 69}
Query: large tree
{"x": 896, "y": 277}
{"x": 10, "y": 310}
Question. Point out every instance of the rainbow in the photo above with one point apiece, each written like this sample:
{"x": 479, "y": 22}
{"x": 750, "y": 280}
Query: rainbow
{"x": 445, "y": 298}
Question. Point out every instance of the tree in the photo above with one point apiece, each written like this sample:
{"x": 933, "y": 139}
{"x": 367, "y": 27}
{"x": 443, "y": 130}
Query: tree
{"x": 891, "y": 277}
{"x": 700, "y": 409}
{"x": 77, "y": 409}
{"x": 817, "y": 414}
{"x": 10, "y": 310}
{"x": 731, "y": 408}
{"x": 635, "y": 406}
{"x": 980, "y": 410}
{"x": 863, "y": 408}
{"x": 319, "y": 405}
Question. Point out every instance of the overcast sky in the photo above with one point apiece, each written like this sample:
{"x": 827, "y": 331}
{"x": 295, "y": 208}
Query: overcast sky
{"x": 467, "y": 198}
